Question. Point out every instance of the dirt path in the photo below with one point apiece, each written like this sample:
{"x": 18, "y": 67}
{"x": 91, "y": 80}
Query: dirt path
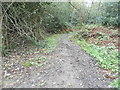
{"x": 69, "y": 66}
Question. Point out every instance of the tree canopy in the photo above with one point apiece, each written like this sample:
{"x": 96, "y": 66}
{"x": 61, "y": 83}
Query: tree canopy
{"x": 35, "y": 20}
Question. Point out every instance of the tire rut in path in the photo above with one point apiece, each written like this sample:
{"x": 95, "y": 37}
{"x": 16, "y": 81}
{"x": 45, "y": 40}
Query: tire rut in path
{"x": 67, "y": 67}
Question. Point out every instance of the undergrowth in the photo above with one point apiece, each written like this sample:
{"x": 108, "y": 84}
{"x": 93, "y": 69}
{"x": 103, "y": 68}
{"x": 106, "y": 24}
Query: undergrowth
{"x": 107, "y": 57}
{"x": 116, "y": 83}
{"x": 107, "y": 60}
{"x": 51, "y": 43}
{"x": 48, "y": 44}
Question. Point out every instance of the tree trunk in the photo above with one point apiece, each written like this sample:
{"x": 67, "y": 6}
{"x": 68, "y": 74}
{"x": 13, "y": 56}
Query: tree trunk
{"x": 0, "y": 46}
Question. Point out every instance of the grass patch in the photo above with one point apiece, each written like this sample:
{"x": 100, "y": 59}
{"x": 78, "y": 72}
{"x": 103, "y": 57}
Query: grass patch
{"x": 27, "y": 63}
{"x": 51, "y": 43}
{"x": 38, "y": 62}
{"x": 48, "y": 44}
{"x": 116, "y": 83}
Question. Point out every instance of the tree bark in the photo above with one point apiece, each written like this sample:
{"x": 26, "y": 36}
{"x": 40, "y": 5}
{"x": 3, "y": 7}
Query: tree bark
{"x": 0, "y": 46}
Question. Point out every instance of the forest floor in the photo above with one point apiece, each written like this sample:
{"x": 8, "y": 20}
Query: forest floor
{"x": 69, "y": 66}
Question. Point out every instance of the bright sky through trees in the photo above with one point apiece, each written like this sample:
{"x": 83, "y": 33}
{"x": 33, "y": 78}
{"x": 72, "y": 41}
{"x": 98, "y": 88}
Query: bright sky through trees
{"x": 88, "y": 2}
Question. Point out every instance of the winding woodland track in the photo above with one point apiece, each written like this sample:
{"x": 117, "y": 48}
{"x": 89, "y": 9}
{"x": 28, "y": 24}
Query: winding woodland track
{"x": 67, "y": 67}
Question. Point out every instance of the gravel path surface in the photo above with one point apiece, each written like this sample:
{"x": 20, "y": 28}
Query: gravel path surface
{"x": 67, "y": 67}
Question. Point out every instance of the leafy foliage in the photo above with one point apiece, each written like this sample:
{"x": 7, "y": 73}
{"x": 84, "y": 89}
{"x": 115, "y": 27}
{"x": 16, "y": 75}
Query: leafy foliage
{"x": 27, "y": 21}
{"x": 107, "y": 57}
{"x": 105, "y": 13}
{"x": 116, "y": 83}
{"x": 22, "y": 23}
